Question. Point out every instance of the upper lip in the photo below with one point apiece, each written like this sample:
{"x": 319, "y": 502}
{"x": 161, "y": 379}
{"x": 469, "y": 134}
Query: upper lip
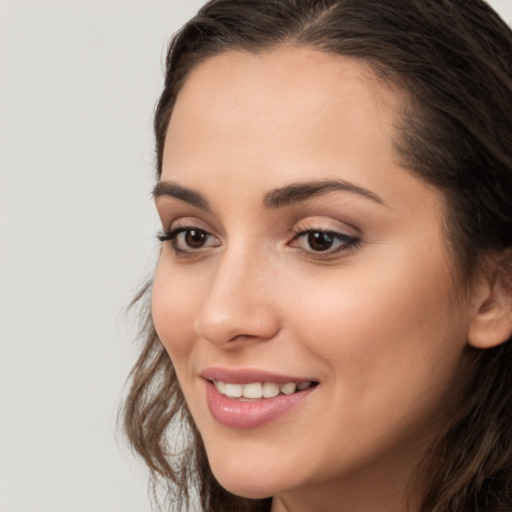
{"x": 248, "y": 375}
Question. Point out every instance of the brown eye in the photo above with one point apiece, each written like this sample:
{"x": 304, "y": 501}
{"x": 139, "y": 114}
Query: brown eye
{"x": 189, "y": 239}
{"x": 320, "y": 240}
{"x": 195, "y": 238}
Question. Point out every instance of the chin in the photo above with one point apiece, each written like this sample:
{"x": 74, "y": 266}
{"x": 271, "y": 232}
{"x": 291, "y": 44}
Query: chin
{"x": 247, "y": 490}
{"x": 248, "y": 482}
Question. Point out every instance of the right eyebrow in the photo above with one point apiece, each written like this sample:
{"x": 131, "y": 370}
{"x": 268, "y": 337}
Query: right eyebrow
{"x": 171, "y": 189}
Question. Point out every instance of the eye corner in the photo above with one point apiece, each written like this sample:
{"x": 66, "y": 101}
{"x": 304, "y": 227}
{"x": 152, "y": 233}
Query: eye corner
{"x": 162, "y": 235}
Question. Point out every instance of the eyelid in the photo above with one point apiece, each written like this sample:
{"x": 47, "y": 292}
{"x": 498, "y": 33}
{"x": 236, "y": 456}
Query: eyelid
{"x": 189, "y": 222}
{"x": 342, "y": 244}
{"x": 344, "y": 240}
{"x": 177, "y": 227}
{"x": 321, "y": 223}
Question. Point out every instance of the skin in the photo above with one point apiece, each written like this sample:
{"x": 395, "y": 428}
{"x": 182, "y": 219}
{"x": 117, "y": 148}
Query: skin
{"x": 381, "y": 324}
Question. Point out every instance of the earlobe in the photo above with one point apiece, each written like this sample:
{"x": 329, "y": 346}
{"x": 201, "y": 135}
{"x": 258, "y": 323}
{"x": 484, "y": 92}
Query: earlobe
{"x": 491, "y": 324}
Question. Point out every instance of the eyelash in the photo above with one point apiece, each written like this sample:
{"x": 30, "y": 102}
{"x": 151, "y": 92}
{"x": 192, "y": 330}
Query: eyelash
{"x": 346, "y": 242}
{"x": 172, "y": 235}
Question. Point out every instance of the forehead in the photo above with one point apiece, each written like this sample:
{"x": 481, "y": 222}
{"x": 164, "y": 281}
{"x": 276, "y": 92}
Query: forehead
{"x": 261, "y": 121}
{"x": 286, "y": 86}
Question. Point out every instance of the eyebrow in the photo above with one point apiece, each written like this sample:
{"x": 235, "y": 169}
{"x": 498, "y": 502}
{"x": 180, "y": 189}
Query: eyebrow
{"x": 299, "y": 192}
{"x": 169, "y": 188}
{"x": 278, "y": 198}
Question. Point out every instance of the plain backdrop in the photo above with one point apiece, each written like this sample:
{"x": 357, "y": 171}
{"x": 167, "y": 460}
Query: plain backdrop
{"x": 78, "y": 84}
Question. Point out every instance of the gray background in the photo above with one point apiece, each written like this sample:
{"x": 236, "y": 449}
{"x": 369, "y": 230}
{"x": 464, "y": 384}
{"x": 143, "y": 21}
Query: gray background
{"x": 78, "y": 83}
{"x": 79, "y": 80}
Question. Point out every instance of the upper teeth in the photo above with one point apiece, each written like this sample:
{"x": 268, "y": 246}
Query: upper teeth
{"x": 258, "y": 389}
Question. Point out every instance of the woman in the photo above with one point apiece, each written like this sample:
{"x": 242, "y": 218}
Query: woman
{"x": 332, "y": 307}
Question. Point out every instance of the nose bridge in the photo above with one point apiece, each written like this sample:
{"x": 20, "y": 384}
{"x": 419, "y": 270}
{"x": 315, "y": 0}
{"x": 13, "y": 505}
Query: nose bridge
{"x": 238, "y": 304}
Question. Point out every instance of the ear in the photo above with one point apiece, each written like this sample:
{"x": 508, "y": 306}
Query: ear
{"x": 491, "y": 323}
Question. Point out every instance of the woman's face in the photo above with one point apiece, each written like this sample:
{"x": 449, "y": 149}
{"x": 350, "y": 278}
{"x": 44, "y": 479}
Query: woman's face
{"x": 300, "y": 256}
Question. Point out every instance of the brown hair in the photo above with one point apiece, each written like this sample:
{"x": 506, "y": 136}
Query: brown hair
{"x": 453, "y": 58}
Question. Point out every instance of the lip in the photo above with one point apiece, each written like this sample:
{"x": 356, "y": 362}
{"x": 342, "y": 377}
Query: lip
{"x": 239, "y": 414}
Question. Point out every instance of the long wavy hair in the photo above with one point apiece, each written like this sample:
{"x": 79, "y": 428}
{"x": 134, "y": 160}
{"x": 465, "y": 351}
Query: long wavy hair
{"x": 453, "y": 60}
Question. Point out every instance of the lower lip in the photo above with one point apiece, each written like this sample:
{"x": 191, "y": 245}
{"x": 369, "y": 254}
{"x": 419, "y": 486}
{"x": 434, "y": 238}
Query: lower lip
{"x": 231, "y": 412}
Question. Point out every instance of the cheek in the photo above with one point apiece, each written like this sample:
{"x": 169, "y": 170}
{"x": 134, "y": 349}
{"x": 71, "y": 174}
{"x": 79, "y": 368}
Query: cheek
{"x": 391, "y": 328}
{"x": 387, "y": 345}
{"x": 174, "y": 305}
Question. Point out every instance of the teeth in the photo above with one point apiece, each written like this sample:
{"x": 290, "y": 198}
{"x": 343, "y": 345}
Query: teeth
{"x": 233, "y": 390}
{"x": 252, "y": 390}
{"x": 288, "y": 388}
{"x": 257, "y": 390}
{"x": 270, "y": 390}
{"x": 221, "y": 386}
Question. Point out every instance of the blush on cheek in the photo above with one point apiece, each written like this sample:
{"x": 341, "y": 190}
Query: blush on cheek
{"x": 168, "y": 316}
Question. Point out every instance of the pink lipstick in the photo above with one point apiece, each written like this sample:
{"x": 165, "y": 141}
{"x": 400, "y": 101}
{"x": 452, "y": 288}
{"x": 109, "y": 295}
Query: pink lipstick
{"x": 247, "y": 398}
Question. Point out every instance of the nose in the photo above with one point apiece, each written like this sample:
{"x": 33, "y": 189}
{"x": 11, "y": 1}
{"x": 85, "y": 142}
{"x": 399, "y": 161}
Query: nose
{"x": 238, "y": 306}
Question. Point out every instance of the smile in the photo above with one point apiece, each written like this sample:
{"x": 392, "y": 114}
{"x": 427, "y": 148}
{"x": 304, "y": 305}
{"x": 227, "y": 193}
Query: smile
{"x": 245, "y": 398}
{"x": 259, "y": 390}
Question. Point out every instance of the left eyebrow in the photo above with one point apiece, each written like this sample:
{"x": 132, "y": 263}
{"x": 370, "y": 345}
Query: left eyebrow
{"x": 299, "y": 192}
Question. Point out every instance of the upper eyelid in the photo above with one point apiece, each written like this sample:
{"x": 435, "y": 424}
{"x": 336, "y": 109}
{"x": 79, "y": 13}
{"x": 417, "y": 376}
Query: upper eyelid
{"x": 345, "y": 228}
{"x": 333, "y": 231}
{"x": 189, "y": 222}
